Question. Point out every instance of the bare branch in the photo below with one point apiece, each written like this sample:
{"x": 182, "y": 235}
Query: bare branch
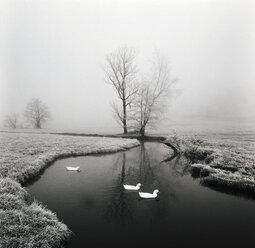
{"x": 154, "y": 92}
{"x": 121, "y": 73}
{"x": 11, "y": 121}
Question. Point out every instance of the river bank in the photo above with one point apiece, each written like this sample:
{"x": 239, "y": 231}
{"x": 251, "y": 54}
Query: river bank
{"x": 224, "y": 162}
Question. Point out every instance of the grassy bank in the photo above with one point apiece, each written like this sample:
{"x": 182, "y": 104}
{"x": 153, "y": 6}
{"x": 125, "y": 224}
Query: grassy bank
{"x": 22, "y": 158}
{"x": 223, "y": 161}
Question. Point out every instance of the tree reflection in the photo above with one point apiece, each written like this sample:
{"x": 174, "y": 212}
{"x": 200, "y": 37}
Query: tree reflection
{"x": 179, "y": 165}
{"x": 140, "y": 165}
{"x": 117, "y": 209}
{"x": 144, "y": 165}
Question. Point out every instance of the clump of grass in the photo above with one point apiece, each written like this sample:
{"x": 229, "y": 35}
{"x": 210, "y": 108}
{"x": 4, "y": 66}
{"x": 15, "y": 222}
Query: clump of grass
{"x": 27, "y": 225}
{"x": 239, "y": 184}
{"x": 10, "y": 201}
{"x": 31, "y": 226}
{"x": 198, "y": 170}
{"x": 195, "y": 154}
{"x": 8, "y": 186}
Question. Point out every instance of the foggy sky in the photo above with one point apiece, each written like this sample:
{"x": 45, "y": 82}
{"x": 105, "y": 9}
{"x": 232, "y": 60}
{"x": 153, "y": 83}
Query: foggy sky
{"x": 54, "y": 50}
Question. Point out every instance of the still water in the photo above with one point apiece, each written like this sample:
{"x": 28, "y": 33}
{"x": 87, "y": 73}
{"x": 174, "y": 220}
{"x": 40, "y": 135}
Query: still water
{"x": 100, "y": 213}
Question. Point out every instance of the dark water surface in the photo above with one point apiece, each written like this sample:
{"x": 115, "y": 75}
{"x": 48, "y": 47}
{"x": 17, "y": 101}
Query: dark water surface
{"x": 101, "y": 214}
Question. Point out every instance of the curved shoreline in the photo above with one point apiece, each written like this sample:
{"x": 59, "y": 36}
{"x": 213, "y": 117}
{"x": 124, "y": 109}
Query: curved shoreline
{"x": 70, "y": 155}
{"x": 24, "y": 158}
{"x": 222, "y": 164}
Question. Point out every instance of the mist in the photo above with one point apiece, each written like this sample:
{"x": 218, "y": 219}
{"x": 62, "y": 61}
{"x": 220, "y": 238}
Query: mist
{"x": 54, "y": 50}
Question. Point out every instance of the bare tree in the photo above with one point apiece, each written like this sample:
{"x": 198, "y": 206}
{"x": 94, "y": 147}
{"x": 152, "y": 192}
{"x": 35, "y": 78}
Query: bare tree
{"x": 121, "y": 74}
{"x": 36, "y": 113}
{"x": 11, "y": 121}
{"x": 153, "y": 96}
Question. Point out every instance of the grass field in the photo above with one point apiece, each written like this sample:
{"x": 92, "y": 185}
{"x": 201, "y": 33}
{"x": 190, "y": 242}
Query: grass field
{"x": 22, "y": 158}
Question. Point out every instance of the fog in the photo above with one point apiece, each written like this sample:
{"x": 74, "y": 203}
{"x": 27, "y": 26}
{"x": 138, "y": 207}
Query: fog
{"x": 54, "y": 50}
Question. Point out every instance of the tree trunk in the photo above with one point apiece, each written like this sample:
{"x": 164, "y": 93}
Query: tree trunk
{"x": 124, "y": 117}
{"x": 38, "y": 124}
{"x": 142, "y": 131}
{"x": 123, "y": 168}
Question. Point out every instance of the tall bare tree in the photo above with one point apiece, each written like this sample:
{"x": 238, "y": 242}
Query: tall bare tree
{"x": 36, "y": 113}
{"x": 121, "y": 74}
{"x": 153, "y": 96}
{"x": 11, "y": 121}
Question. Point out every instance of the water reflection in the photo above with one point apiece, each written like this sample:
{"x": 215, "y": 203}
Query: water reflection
{"x": 117, "y": 209}
{"x": 143, "y": 168}
{"x": 100, "y": 213}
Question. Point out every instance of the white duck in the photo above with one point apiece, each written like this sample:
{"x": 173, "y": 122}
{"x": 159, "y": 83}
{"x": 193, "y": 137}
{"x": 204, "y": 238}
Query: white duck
{"x": 132, "y": 187}
{"x": 73, "y": 168}
{"x": 149, "y": 195}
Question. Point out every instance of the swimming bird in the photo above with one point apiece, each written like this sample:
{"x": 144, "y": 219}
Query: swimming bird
{"x": 149, "y": 195}
{"x": 132, "y": 187}
{"x": 73, "y": 168}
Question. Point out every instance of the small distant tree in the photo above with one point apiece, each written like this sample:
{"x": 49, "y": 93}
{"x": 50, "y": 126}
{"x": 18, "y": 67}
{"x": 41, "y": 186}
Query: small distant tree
{"x": 153, "y": 96}
{"x": 11, "y": 121}
{"x": 121, "y": 72}
{"x": 36, "y": 113}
